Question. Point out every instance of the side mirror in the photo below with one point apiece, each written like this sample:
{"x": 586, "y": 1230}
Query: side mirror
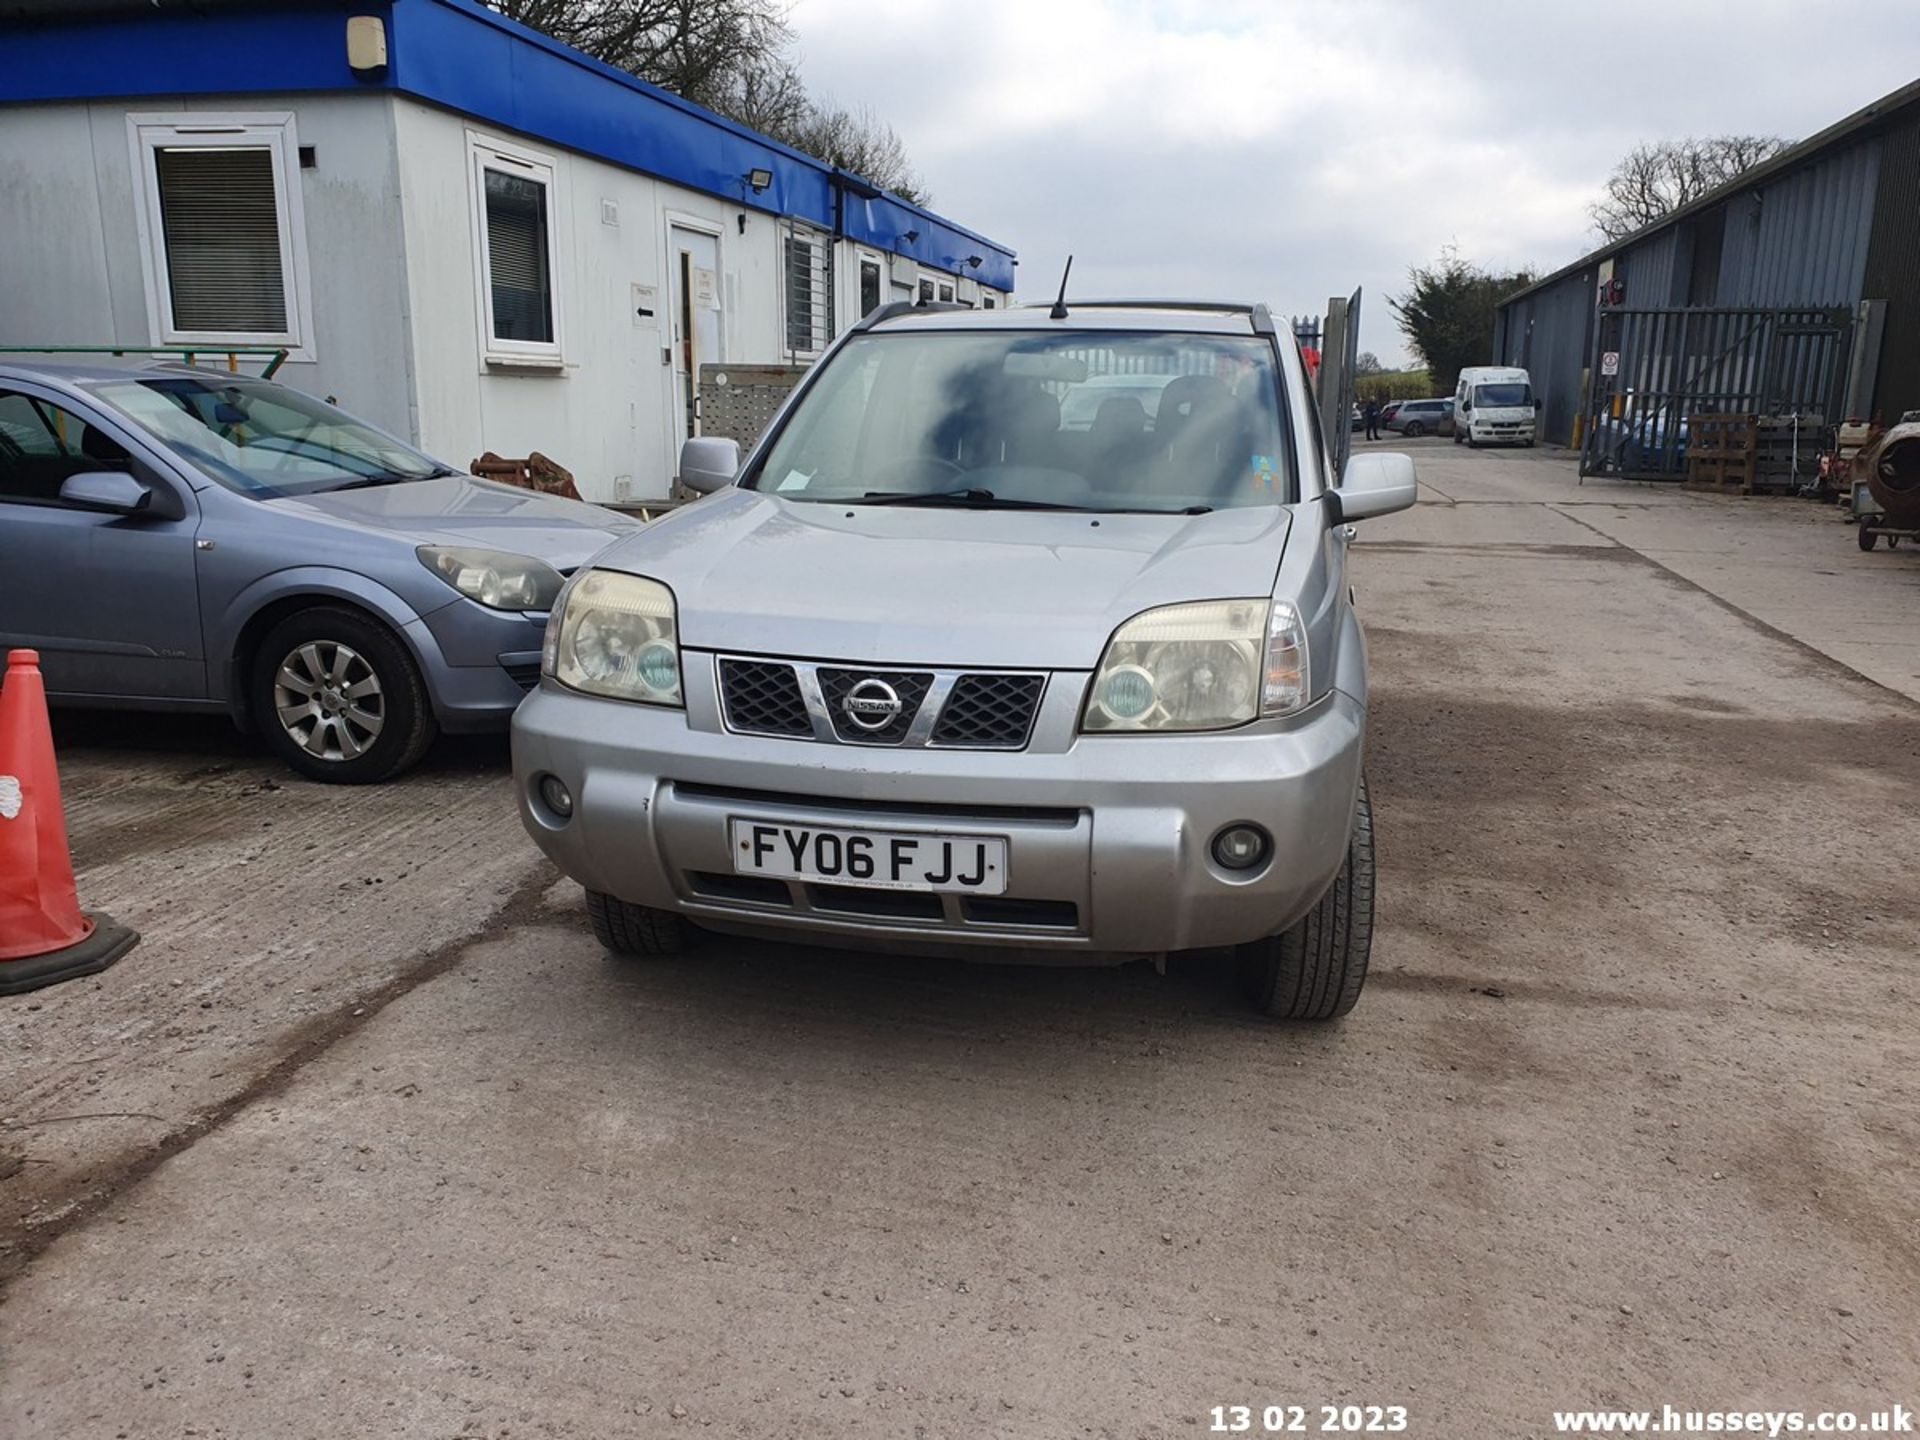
{"x": 1375, "y": 484}
{"x": 112, "y": 491}
{"x": 709, "y": 463}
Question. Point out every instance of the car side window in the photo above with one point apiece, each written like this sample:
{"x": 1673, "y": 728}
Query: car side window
{"x": 42, "y": 445}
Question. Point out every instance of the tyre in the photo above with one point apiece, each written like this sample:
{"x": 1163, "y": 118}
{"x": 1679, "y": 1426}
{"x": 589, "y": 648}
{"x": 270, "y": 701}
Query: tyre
{"x": 1867, "y": 536}
{"x": 1457, "y": 437}
{"x": 629, "y": 929}
{"x": 339, "y": 698}
{"x": 1315, "y": 970}
{"x": 1415, "y": 430}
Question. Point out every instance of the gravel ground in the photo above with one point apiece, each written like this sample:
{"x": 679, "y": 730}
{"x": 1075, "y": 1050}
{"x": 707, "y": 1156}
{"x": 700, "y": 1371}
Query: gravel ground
{"x": 1627, "y": 1115}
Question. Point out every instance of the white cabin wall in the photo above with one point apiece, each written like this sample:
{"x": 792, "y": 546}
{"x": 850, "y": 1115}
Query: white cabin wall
{"x": 608, "y": 414}
{"x": 70, "y": 261}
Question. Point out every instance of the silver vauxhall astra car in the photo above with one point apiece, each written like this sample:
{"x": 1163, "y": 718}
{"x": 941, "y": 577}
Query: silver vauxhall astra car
{"x": 963, "y": 658}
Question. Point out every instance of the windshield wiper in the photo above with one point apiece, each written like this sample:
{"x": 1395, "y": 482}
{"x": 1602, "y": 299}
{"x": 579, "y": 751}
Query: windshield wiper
{"x": 981, "y": 499}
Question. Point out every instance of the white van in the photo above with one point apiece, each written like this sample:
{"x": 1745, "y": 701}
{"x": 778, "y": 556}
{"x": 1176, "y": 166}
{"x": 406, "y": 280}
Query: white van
{"x": 1494, "y": 404}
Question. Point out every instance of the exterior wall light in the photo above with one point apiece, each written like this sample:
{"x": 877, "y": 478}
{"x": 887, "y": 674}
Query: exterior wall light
{"x": 759, "y": 180}
{"x": 366, "y": 46}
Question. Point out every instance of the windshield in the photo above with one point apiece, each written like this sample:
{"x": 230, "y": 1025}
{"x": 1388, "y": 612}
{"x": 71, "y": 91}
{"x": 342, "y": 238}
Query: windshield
{"x": 263, "y": 439}
{"x": 1500, "y": 395}
{"x": 1083, "y": 420}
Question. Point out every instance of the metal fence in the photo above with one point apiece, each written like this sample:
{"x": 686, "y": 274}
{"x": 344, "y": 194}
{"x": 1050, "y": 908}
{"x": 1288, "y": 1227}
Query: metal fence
{"x": 1653, "y": 369}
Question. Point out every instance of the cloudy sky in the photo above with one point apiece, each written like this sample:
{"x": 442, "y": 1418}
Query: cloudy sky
{"x": 1289, "y": 152}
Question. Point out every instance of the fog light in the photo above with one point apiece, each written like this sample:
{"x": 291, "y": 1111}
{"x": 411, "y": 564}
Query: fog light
{"x": 1241, "y": 847}
{"x": 555, "y": 795}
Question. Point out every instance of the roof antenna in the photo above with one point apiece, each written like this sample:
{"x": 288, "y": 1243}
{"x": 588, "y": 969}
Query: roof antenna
{"x": 1059, "y": 311}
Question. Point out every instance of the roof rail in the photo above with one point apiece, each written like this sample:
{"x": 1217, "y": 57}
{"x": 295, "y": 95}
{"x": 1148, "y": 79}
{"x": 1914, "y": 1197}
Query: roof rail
{"x": 894, "y": 309}
{"x": 1224, "y": 307}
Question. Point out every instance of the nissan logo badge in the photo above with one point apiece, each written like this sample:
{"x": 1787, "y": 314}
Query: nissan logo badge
{"x": 872, "y": 704}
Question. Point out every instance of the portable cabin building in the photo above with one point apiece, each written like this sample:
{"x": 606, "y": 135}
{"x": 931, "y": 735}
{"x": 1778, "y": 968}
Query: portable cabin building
{"x": 473, "y": 236}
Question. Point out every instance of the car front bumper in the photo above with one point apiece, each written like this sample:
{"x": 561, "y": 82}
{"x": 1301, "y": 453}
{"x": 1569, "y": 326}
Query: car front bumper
{"x": 1109, "y": 838}
{"x": 1502, "y": 433}
{"x": 478, "y": 663}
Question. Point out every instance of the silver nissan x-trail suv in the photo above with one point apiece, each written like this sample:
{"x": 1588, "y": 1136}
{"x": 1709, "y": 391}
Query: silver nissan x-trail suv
{"x": 1016, "y": 632}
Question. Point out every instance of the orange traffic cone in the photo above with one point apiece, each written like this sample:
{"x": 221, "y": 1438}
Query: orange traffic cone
{"x": 44, "y": 936}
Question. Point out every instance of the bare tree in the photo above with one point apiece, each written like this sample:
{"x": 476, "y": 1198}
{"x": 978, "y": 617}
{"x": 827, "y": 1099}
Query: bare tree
{"x": 860, "y": 141}
{"x": 770, "y": 97}
{"x": 1657, "y": 178}
{"x": 1368, "y": 363}
{"x": 696, "y": 48}
{"x": 731, "y": 56}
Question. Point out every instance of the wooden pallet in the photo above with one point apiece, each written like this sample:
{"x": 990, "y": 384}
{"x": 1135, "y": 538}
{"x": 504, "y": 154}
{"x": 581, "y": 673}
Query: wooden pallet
{"x": 1720, "y": 452}
{"x": 1775, "y": 452}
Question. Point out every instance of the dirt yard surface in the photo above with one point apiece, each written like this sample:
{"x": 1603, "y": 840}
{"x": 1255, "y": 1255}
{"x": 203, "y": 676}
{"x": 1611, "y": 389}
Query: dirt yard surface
{"x": 368, "y": 1137}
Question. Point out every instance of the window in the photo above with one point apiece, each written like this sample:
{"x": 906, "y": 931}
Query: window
{"x": 1090, "y": 420}
{"x": 926, "y": 292}
{"x": 223, "y": 242}
{"x": 986, "y": 302}
{"x": 946, "y": 291}
{"x": 809, "y": 291}
{"x": 262, "y": 439}
{"x": 514, "y": 241}
{"x": 42, "y": 446}
{"x": 869, "y": 285}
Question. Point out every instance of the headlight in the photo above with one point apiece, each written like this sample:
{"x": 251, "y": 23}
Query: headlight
{"x": 616, "y": 635}
{"x": 1207, "y": 665}
{"x": 497, "y": 579}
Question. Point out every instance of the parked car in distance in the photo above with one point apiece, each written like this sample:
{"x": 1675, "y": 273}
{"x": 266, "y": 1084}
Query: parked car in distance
{"x": 1389, "y": 410}
{"x": 1414, "y": 418}
{"x": 934, "y": 671}
{"x": 1494, "y": 405}
{"x": 176, "y": 538}
{"x": 1081, "y": 406}
{"x": 1641, "y": 440}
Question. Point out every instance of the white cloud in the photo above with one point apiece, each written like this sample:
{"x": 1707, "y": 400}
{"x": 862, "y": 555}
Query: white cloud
{"x": 1291, "y": 151}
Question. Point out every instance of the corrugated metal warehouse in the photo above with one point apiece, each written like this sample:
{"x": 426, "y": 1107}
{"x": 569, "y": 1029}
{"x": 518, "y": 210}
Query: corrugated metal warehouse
{"x": 1794, "y": 289}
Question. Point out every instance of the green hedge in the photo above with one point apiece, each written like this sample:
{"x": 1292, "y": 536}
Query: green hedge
{"x": 1394, "y": 385}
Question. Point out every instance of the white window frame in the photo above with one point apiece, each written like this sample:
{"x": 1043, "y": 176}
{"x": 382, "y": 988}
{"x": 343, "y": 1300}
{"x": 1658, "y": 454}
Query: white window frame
{"x": 273, "y": 131}
{"x": 822, "y": 324}
{"x": 512, "y": 159}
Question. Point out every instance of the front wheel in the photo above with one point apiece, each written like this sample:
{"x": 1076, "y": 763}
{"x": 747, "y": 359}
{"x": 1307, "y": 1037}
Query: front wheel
{"x": 629, "y": 929}
{"x": 1315, "y": 970}
{"x": 339, "y": 698}
{"x": 1457, "y": 437}
{"x": 1867, "y": 536}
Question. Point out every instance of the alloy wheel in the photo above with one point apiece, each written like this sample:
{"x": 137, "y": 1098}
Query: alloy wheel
{"x": 328, "y": 700}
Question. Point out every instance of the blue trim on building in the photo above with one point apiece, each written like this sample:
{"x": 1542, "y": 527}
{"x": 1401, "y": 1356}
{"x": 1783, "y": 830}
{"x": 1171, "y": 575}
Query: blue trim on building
{"x": 459, "y": 55}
